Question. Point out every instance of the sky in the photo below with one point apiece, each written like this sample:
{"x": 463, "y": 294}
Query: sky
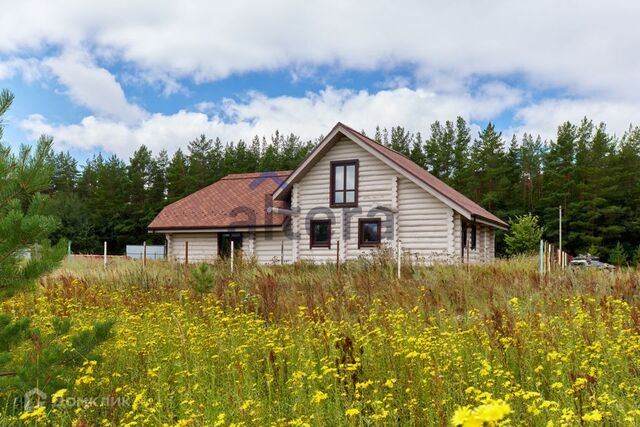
{"x": 109, "y": 77}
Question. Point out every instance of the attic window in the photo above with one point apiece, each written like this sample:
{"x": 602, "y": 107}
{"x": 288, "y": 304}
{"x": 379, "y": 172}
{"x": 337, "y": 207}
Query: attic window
{"x": 344, "y": 183}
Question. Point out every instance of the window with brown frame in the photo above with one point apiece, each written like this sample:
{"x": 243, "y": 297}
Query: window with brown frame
{"x": 369, "y": 232}
{"x": 320, "y": 233}
{"x": 344, "y": 183}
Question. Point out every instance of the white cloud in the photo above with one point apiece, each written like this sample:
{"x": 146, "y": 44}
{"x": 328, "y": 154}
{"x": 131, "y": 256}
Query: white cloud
{"x": 31, "y": 69}
{"x": 93, "y": 87}
{"x": 205, "y": 106}
{"x": 544, "y": 117}
{"x": 308, "y": 116}
{"x": 586, "y": 46}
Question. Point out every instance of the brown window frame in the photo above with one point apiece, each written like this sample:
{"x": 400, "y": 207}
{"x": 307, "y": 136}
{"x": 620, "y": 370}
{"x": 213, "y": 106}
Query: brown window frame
{"x": 312, "y": 240}
{"x": 363, "y": 244}
{"x": 332, "y": 190}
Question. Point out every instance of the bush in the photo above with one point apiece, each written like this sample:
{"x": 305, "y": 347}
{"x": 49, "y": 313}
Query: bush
{"x": 618, "y": 256}
{"x": 202, "y": 278}
{"x": 525, "y": 235}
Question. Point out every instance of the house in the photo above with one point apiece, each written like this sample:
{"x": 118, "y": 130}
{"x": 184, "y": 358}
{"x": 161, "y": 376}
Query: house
{"x": 347, "y": 198}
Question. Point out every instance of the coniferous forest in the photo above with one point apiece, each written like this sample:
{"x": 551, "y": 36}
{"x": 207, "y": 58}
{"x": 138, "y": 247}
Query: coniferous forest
{"x": 591, "y": 172}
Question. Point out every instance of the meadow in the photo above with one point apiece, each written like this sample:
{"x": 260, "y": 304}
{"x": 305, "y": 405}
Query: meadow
{"x": 300, "y": 345}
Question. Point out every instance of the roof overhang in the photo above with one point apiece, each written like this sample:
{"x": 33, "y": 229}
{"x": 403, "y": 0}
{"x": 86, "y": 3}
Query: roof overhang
{"x": 243, "y": 228}
{"x": 485, "y": 221}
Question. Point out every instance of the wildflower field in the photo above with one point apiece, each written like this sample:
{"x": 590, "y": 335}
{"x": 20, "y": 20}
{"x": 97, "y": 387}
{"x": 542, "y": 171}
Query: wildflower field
{"x": 299, "y": 345}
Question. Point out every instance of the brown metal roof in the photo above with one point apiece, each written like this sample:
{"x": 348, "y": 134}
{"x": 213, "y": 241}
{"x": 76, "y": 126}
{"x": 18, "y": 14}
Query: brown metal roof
{"x": 424, "y": 176}
{"x": 238, "y": 200}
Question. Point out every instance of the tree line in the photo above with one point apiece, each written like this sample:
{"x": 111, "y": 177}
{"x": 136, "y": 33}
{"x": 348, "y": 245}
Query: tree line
{"x": 591, "y": 172}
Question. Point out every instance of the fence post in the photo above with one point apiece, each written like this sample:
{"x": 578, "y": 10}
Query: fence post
{"x": 399, "y": 257}
{"x": 282, "y": 252}
{"x": 541, "y": 257}
{"x": 232, "y": 254}
{"x": 144, "y": 254}
{"x": 338, "y": 257}
{"x": 468, "y": 248}
{"x": 105, "y": 255}
{"x": 186, "y": 253}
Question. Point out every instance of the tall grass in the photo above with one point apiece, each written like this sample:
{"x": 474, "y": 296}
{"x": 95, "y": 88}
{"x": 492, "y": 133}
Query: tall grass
{"x": 302, "y": 345}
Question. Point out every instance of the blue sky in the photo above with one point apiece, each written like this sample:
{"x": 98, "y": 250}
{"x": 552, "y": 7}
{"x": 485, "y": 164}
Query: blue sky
{"x": 110, "y": 79}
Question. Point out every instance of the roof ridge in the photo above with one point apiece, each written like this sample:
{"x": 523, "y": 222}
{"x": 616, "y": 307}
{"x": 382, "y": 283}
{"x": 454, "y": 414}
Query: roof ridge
{"x": 247, "y": 175}
{"x": 377, "y": 142}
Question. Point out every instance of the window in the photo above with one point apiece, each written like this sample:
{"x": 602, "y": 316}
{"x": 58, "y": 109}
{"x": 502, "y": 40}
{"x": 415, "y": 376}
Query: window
{"x": 320, "y": 233}
{"x": 344, "y": 183}
{"x": 369, "y": 232}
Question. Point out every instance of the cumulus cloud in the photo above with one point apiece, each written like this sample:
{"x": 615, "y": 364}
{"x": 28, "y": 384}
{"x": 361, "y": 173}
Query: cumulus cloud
{"x": 544, "y": 117}
{"x": 579, "y": 45}
{"x": 31, "y": 69}
{"x": 308, "y": 116}
{"x": 93, "y": 87}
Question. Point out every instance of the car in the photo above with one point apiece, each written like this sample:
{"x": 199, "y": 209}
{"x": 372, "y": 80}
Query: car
{"x": 590, "y": 261}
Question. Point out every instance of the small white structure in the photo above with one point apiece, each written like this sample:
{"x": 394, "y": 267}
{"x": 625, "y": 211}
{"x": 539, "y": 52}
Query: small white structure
{"x": 350, "y": 189}
{"x": 138, "y": 251}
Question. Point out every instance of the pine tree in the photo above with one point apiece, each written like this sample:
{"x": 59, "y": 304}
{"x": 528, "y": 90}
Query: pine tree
{"x": 558, "y": 184}
{"x": 177, "y": 180}
{"x": 199, "y": 163}
{"x": 24, "y": 221}
{"x": 490, "y": 168}
{"x": 461, "y": 171}
{"x": 401, "y": 140}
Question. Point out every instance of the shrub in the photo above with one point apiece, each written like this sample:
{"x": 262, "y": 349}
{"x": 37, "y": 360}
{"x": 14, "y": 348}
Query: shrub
{"x": 524, "y": 236}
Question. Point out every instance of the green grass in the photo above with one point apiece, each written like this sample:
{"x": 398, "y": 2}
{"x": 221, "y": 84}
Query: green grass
{"x": 297, "y": 345}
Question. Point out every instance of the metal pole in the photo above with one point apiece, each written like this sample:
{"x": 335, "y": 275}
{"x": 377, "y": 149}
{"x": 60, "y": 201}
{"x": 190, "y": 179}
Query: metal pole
{"x": 338, "y": 257}
{"x": 541, "y": 257}
{"x": 560, "y": 230}
{"x": 282, "y": 252}
{"x": 186, "y": 253}
{"x": 144, "y": 254}
{"x": 232, "y": 245}
{"x": 105, "y": 255}
{"x": 69, "y": 249}
{"x": 399, "y": 256}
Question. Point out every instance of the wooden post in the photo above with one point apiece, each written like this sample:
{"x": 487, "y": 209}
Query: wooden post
{"x": 105, "y": 255}
{"x": 186, "y": 253}
{"x": 144, "y": 254}
{"x": 338, "y": 257}
{"x": 282, "y": 252}
{"x": 232, "y": 254}
{"x": 399, "y": 259}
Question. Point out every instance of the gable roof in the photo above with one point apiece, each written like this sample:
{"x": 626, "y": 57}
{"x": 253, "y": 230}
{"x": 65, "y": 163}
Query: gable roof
{"x": 460, "y": 203}
{"x": 238, "y": 200}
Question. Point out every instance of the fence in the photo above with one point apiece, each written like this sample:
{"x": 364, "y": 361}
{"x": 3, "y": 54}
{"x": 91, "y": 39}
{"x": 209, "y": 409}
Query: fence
{"x": 152, "y": 251}
{"x": 551, "y": 257}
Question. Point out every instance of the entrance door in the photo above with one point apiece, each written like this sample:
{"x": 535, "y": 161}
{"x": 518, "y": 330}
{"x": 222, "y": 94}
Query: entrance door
{"x": 224, "y": 243}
